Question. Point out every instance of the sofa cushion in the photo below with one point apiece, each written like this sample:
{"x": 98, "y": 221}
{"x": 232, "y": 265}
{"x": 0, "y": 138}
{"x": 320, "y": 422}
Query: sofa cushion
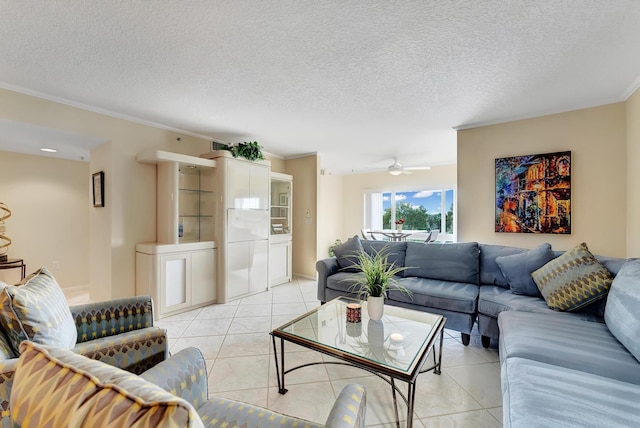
{"x": 452, "y": 296}
{"x": 517, "y": 268}
{"x": 622, "y": 312}
{"x": 347, "y": 254}
{"x": 493, "y": 300}
{"x": 456, "y": 262}
{"x": 536, "y": 394}
{"x": 396, "y": 250}
{"x": 573, "y": 280}
{"x": 346, "y": 282}
{"x": 563, "y": 340}
{"x": 90, "y": 393}
{"x": 36, "y": 310}
{"x": 490, "y": 272}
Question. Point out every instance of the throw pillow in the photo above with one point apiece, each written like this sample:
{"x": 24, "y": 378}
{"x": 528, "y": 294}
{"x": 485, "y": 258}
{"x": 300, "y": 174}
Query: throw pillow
{"x": 573, "y": 280}
{"x": 517, "y": 268}
{"x": 621, "y": 314}
{"x": 347, "y": 254}
{"x": 37, "y": 310}
{"x": 89, "y": 392}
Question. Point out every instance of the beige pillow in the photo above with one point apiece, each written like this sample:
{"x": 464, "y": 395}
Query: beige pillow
{"x": 57, "y": 387}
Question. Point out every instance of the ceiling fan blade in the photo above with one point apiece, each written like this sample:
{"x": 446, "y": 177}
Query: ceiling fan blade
{"x": 417, "y": 168}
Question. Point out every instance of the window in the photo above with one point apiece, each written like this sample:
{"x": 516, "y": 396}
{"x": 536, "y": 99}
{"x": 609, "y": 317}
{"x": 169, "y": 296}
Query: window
{"x": 422, "y": 211}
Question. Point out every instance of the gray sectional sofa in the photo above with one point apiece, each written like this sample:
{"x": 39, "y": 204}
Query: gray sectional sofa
{"x": 442, "y": 278}
{"x": 578, "y": 367}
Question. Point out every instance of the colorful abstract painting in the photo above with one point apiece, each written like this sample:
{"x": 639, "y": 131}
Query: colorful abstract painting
{"x": 533, "y": 193}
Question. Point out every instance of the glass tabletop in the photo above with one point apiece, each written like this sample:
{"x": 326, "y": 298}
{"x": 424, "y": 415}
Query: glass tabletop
{"x": 398, "y": 342}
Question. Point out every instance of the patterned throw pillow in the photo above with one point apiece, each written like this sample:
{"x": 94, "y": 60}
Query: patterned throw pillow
{"x": 37, "y": 310}
{"x": 573, "y": 280}
{"x": 90, "y": 393}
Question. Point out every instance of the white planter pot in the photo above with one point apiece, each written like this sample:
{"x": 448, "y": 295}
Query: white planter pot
{"x": 375, "y": 307}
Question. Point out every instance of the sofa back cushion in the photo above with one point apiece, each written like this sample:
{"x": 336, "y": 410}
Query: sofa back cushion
{"x": 396, "y": 250}
{"x": 622, "y": 312}
{"x": 517, "y": 269}
{"x": 457, "y": 262}
{"x": 88, "y": 393}
{"x": 36, "y": 310}
{"x": 347, "y": 254}
{"x": 490, "y": 273}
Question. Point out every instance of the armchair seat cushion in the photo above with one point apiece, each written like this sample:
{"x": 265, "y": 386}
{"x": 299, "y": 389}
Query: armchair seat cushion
{"x": 37, "y": 310}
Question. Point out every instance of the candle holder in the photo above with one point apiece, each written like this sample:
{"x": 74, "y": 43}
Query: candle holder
{"x": 354, "y": 312}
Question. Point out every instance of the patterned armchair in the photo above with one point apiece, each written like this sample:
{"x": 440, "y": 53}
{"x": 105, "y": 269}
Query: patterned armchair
{"x": 173, "y": 393}
{"x": 118, "y": 332}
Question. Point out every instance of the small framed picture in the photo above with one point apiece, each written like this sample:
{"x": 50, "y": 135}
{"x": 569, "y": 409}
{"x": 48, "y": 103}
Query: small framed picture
{"x": 284, "y": 199}
{"x": 98, "y": 189}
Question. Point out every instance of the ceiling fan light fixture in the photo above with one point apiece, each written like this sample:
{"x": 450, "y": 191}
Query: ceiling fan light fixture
{"x": 395, "y": 171}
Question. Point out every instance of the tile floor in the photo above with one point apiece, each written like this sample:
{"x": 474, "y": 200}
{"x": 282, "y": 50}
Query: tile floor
{"x": 234, "y": 340}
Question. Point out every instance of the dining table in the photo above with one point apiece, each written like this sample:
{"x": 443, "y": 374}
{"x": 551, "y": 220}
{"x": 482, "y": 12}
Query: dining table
{"x": 393, "y": 235}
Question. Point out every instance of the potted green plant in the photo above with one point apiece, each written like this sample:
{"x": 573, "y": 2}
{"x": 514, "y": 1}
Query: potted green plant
{"x": 251, "y": 150}
{"x": 376, "y": 279}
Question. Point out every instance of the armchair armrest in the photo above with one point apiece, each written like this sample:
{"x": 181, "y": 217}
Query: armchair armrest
{"x": 325, "y": 268}
{"x": 183, "y": 374}
{"x": 7, "y": 371}
{"x": 111, "y": 317}
{"x": 350, "y": 408}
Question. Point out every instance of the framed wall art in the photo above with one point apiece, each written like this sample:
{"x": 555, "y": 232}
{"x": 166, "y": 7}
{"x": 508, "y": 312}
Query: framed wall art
{"x": 98, "y": 189}
{"x": 533, "y": 194}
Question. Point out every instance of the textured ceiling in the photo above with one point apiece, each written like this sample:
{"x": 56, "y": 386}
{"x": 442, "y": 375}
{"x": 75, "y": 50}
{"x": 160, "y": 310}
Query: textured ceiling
{"x": 358, "y": 82}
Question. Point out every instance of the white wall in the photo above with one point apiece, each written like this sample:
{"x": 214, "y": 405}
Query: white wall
{"x": 597, "y": 140}
{"x": 50, "y": 200}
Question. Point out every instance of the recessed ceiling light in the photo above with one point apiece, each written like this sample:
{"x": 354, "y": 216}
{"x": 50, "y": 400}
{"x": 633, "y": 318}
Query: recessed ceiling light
{"x": 44, "y": 149}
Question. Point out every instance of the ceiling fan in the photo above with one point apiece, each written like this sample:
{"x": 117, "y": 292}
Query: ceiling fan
{"x": 397, "y": 168}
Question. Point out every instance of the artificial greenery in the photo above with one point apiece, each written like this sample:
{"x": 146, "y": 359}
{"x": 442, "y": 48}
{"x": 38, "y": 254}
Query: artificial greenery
{"x": 335, "y": 244}
{"x": 251, "y": 150}
{"x": 377, "y": 274}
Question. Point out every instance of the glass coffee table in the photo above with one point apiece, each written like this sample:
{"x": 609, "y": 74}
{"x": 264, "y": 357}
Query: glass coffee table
{"x": 394, "y": 348}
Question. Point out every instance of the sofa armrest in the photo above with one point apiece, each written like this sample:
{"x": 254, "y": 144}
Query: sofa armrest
{"x": 111, "y": 317}
{"x": 350, "y": 408}
{"x": 325, "y": 268}
{"x": 183, "y": 375}
{"x": 7, "y": 371}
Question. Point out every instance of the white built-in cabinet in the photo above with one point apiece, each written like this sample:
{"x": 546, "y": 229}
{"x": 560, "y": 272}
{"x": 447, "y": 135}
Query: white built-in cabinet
{"x": 281, "y": 234}
{"x": 178, "y": 277}
{"x": 243, "y": 227}
{"x": 179, "y": 269}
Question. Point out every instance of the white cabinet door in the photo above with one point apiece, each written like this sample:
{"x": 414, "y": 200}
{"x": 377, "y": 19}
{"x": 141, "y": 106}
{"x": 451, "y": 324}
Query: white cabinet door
{"x": 259, "y": 265}
{"x": 237, "y": 269}
{"x": 238, "y": 186}
{"x": 203, "y": 274}
{"x": 175, "y": 280}
{"x": 279, "y": 263}
{"x": 260, "y": 186}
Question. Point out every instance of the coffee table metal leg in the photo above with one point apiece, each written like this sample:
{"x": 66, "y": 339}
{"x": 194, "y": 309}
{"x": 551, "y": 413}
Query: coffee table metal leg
{"x": 279, "y": 374}
{"x": 437, "y": 369}
{"x": 395, "y": 402}
{"x": 411, "y": 395}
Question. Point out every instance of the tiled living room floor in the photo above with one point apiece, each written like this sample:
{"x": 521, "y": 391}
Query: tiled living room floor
{"x": 235, "y": 342}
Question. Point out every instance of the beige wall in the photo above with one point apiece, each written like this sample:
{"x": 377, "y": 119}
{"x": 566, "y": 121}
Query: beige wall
{"x": 305, "y": 172}
{"x": 633, "y": 175}
{"x": 277, "y": 164}
{"x": 331, "y": 212}
{"x": 129, "y": 213}
{"x": 49, "y": 199}
{"x": 597, "y": 140}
